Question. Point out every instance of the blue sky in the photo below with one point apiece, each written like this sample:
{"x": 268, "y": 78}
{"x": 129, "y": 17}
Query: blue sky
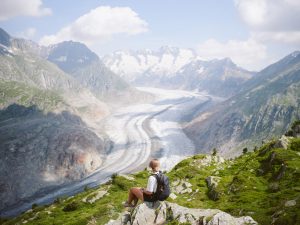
{"x": 253, "y": 33}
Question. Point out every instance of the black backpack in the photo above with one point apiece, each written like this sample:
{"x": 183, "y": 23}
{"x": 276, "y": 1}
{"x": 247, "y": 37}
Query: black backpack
{"x": 163, "y": 187}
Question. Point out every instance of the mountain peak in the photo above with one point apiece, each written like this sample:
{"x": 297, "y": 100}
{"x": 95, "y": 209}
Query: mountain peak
{"x": 228, "y": 62}
{"x": 4, "y": 38}
{"x": 145, "y": 51}
{"x": 291, "y": 56}
{"x": 295, "y": 54}
{"x": 70, "y": 55}
{"x": 168, "y": 49}
{"x": 71, "y": 46}
{"x": 282, "y": 64}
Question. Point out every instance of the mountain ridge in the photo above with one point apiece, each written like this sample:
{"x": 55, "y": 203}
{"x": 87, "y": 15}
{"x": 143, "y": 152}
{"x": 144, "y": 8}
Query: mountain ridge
{"x": 172, "y": 68}
{"x": 87, "y": 68}
{"x": 265, "y": 106}
{"x": 45, "y": 116}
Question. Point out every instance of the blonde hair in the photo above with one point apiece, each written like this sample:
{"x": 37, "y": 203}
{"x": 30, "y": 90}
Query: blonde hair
{"x": 154, "y": 164}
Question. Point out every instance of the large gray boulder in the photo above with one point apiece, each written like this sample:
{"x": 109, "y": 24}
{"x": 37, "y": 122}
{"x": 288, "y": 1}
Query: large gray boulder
{"x": 163, "y": 212}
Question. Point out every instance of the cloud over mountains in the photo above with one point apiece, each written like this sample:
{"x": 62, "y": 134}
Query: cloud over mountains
{"x": 13, "y": 8}
{"x": 99, "y": 24}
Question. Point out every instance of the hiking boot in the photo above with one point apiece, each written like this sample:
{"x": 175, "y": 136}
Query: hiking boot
{"x": 126, "y": 204}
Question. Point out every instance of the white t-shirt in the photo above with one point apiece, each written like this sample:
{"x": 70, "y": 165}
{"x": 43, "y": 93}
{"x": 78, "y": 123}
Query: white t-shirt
{"x": 152, "y": 183}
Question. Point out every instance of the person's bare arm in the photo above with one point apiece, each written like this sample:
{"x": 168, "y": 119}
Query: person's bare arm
{"x": 146, "y": 192}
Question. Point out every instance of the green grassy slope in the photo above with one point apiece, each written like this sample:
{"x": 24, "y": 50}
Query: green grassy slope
{"x": 253, "y": 184}
{"x": 13, "y": 92}
{"x": 248, "y": 184}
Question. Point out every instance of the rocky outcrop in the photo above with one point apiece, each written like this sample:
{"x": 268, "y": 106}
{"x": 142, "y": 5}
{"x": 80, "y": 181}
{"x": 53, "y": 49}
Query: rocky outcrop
{"x": 181, "y": 186}
{"x": 290, "y": 203}
{"x": 209, "y": 160}
{"x": 163, "y": 212}
{"x": 95, "y": 196}
{"x": 283, "y": 142}
{"x": 40, "y": 152}
{"x": 212, "y": 181}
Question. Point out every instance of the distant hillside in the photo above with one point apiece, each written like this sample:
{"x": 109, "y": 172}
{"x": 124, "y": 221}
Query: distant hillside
{"x": 18, "y": 63}
{"x": 85, "y": 66}
{"x": 266, "y": 106}
{"x": 23, "y": 62}
{"x": 263, "y": 184}
{"x": 13, "y": 92}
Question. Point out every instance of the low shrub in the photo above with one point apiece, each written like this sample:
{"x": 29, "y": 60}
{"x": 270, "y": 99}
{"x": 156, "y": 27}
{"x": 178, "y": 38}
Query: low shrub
{"x": 71, "y": 206}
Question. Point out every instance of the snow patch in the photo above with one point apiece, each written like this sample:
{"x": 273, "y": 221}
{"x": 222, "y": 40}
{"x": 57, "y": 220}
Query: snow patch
{"x": 200, "y": 70}
{"x": 61, "y": 59}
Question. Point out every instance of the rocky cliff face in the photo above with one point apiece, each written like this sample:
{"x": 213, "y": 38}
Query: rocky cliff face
{"x": 40, "y": 152}
{"x": 48, "y": 131}
{"x": 165, "y": 212}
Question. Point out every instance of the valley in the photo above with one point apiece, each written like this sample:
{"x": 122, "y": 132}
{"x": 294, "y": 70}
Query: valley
{"x": 96, "y": 97}
{"x": 71, "y": 121}
{"x": 137, "y": 133}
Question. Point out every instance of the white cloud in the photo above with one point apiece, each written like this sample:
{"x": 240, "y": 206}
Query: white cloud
{"x": 270, "y": 22}
{"x": 253, "y": 12}
{"x": 28, "y": 33}
{"x": 13, "y": 8}
{"x": 291, "y": 37}
{"x": 271, "y": 15}
{"x": 99, "y": 24}
{"x": 276, "y": 20}
{"x": 249, "y": 54}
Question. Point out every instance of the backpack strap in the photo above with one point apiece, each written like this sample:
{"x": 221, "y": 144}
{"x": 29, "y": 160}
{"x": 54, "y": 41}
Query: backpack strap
{"x": 158, "y": 177}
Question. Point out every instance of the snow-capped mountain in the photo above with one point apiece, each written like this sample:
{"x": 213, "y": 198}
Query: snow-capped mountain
{"x": 218, "y": 77}
{"x": 164, "y": 62}
{"x": 171, "y": 67}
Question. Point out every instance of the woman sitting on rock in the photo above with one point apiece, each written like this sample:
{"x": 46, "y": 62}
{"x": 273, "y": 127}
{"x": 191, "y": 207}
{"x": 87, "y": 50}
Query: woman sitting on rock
{"x": 147, "y": 195}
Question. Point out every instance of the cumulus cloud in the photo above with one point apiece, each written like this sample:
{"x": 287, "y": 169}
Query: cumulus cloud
{"x": 276, "y": 20}
{"x": 13, "y": 8}
{"x": 99, "y": 24}
{"x": 291, "y": 37}
{"x": 249, "y": 54}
